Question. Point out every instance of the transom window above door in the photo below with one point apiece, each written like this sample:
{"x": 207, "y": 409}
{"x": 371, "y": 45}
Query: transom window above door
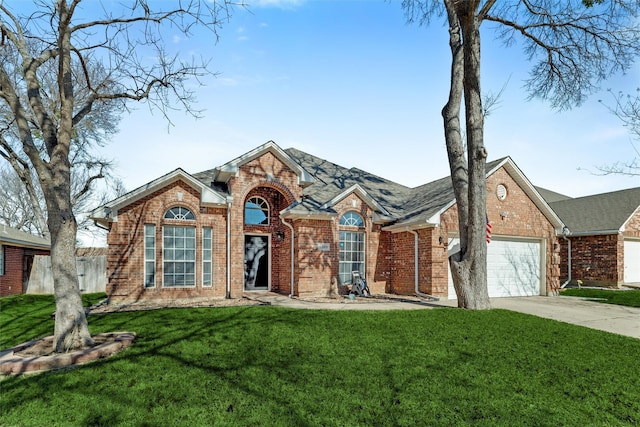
{"x": 256, "y": 211}
{"x": 179, "y": 212}
{"x": 353, "y": 219}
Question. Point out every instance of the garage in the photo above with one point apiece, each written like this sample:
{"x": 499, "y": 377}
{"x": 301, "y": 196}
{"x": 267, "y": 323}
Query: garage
{"x": 631, "y": 261}
{"x": 513, "y": 268}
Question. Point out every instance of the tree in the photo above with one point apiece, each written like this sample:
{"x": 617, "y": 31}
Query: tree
{"x": 627, "y": 108}
{"x": 22, "y": 204}
{"x": 70, "y": 65}
{"x": 575, "y": 46}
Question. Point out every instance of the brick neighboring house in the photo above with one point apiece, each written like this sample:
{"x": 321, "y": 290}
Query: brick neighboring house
{"x": 292, "y": 223}
{"x": 604, "y": 238}
{"x": 17, "y": 250}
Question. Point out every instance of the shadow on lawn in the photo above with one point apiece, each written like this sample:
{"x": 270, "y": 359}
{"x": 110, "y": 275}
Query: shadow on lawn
{"x": 162, "y": 353}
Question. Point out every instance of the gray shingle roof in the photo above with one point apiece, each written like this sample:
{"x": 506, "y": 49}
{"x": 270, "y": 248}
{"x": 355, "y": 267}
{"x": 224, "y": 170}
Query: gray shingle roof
{"x": 333, "y": 179}
{"x": 551, "y": 196}
{"x": 599, "y": 213}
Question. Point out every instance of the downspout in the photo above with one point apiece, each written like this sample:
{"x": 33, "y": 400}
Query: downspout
{"x": 416, "y": 263}
{"x": 291, "y": 294}
{"x": 228, "y": 296}
{"x": 564, "y": 236}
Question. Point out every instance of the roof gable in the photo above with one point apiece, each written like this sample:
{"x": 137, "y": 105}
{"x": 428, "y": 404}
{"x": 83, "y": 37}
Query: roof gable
{"x": 605, "y": 213}
{"x": 429, "y": 201}
{"x": 208, "y": 196}
{"x": 230, "y": 169}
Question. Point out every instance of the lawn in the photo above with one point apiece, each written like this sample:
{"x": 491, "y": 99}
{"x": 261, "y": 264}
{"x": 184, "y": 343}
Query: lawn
{"x": 629, "y": 298}
{"x": 285, "y": 367}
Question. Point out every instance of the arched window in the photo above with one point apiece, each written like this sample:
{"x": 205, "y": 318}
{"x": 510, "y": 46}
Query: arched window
{"x": 352, "y": 248}
{"x": 352, "y": 218}
{"x": 256, "y": 211}
{"x": 179, "y": 212}
{"x": 179, "y": 250}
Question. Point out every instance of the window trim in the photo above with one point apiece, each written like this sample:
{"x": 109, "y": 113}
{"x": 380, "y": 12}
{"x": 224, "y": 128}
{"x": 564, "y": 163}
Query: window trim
{"x": 152, "y": 228}
{"x": 347, "y": 219}
{"x": 264, "y": 208}
{"x": 180, "y": 213}
{"x": 207, "y": 260}
{"x": 195, "y": 257}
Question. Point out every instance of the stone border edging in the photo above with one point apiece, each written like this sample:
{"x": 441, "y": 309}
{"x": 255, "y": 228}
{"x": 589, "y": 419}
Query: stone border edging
{"x": 12, "y": 363}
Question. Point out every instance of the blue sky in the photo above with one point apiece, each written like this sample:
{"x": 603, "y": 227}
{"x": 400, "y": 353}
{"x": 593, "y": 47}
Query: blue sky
{"x": 350, "y": 82}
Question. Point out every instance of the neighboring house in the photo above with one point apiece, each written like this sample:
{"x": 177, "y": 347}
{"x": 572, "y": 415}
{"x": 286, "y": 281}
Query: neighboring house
{"x": 603, "y": 240}
{"x": 17, "y": 251}
{"x": 292, "y": 223}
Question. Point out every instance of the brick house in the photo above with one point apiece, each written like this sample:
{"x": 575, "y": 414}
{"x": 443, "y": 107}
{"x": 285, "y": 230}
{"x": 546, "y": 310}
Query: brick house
{"x": 289, "y": 222}
{"x": 17, "y": 251}
{"x": 603, "y": 244}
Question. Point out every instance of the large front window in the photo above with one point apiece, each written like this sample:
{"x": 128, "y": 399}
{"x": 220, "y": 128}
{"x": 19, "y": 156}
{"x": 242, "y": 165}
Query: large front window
{"x": 179, "y": 252}
{"x": 351, "y": 255}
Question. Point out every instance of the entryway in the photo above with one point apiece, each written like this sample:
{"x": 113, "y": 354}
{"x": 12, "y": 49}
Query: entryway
{"x": 256, "y": 262}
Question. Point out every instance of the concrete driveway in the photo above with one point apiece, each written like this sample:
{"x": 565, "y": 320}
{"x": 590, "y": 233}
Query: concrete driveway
{"x": 617, "y": 319}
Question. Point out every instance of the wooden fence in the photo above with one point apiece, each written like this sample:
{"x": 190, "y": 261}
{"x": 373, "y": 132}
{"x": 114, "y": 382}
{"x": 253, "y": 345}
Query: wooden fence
{"x": 92, "y": 274}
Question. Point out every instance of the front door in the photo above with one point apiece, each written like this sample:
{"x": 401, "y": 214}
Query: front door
{"x": 256, "y": 262}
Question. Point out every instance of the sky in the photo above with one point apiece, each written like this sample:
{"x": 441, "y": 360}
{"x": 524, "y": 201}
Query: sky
{"x": 349, "y": 81}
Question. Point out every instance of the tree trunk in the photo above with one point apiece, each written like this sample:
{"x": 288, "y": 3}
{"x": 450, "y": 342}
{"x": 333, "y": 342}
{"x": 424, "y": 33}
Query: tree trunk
{"x": 71, "y": 331}
{"x": 469, "y": 266}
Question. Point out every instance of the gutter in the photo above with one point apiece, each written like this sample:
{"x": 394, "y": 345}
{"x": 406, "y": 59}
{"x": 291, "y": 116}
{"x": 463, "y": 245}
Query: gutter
{"x": 228, "y": 295}
{"x": 291, "y": 294}
{"x": 415, "y": 261}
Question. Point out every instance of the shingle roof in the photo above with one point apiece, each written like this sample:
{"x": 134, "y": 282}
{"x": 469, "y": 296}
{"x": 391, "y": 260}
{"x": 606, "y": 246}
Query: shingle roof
{"x": 393, "y": 202}
{"x": 551, "y": 196}
{"x": 599, "y": 213}
{"x": 333, "y": 179}
{"x": 12, "y": 236}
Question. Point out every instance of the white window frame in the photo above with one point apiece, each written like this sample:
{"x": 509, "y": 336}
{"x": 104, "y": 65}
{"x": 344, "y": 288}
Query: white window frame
{"x": 207, "y": 257}
{"x": 177, "y": 261}
{"x": 262, "y": 206}
{"x": 345, "y": 276}
{"x": 149, "y": 255}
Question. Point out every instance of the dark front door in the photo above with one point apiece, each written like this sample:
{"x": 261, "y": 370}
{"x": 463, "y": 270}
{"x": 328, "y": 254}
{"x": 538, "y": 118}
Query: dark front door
{"x": 256, "y": 262}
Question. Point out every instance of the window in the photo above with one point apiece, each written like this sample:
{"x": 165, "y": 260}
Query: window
{"x": 179, "y": 252}
{"x": 352, "y": 218}
{"x": 149, "y": 255}
{"x": 179, "y": 212}
{"x": 351, "y": 255}
{"x": 256, "y": 211}
{"x": 1, "y": 260}
{"x": 206, "y": 257}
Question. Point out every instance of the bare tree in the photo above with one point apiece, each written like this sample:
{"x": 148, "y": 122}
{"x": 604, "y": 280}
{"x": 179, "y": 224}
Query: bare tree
{"x": 119, "y": 57}
{"x": 627, "y": 108}
{"x": 574, "y": 45}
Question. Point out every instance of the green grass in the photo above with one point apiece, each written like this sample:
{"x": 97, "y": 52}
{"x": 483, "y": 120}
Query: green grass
{"x": 284, "y": 367}
{"x": 629, "y": 298}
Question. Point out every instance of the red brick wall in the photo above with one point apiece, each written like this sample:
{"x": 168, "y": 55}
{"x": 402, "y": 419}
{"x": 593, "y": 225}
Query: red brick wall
{"x": 523, "y": 219}
{"x": 599, "y": 260}
{"x": 595, "y": 260}
{"x": 317, "y": 270}
{"x": 11, "y": 282}
{"x": 125, "y": 262}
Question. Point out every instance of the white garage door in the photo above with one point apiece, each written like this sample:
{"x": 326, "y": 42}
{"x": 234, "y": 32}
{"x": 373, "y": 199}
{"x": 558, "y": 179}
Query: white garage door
{"x": 513, "y": 268}
{"x": 631, "y": 261}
